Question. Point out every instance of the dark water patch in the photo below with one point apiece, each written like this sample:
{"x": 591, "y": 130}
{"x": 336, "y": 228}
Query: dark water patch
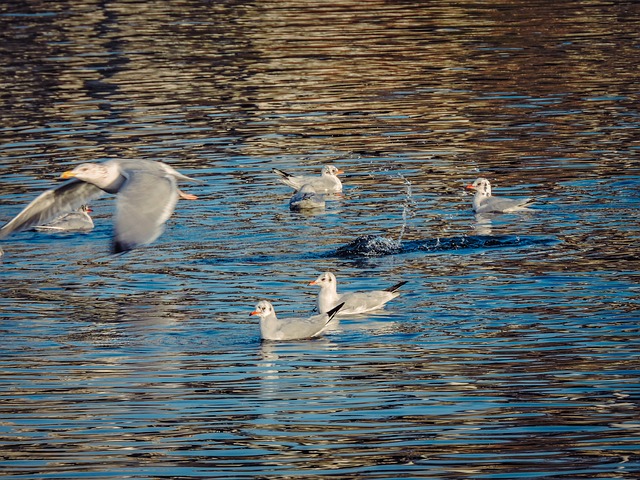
{"x": 375, "y": 246}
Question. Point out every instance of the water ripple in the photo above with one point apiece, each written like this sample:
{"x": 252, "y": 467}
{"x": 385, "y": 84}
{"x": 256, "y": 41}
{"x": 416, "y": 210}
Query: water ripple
{"x": 512, "y": 351}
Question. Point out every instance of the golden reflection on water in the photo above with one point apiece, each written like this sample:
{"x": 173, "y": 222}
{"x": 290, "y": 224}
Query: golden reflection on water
{"x": 283, "y": 77}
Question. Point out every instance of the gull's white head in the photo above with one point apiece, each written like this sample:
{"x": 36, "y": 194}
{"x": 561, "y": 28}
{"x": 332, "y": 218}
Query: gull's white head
{"x": 102, "y": 175}
{"x": 325, "y": 280}
{"x": 481, "y": 186}
{"x": 331, "y": 170}
{"x": 263, "y": 309}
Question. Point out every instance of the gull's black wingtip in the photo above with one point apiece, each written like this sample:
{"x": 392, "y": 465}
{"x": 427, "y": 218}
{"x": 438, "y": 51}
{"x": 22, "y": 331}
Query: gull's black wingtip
{"x": 280, "y": 172}
{"x": 119, "y": 248}
{"x": 396, "y": 286}
{"x": 334, "y": 310}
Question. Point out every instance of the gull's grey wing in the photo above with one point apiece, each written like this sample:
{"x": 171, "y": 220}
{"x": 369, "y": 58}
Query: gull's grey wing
{"x": 145, "y": 202}
{"x": 503, "y": 204}
{"x": 297, "y": 328}
{"x": 324, "y": 184}
{"x": 365, "y": 301}
{"x": 52, "y": 203}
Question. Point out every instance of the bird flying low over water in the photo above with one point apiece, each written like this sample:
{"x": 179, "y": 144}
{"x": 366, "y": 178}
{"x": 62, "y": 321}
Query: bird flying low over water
{"x": 273, "y": 328}
{"x": 354, "y": 302}
{"x": 483, "y": 202}
{"x": 327, "y": 182}
{"x": 146, "y": 195}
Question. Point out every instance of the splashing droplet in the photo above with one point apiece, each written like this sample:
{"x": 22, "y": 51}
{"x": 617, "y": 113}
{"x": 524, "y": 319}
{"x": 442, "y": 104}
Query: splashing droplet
{"x": 407, "y": 207}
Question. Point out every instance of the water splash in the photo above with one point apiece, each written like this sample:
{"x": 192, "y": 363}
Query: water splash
{"x": 370, "y": 246}
{"x": 376, "y": 246}
{"x": 407, "y": 208}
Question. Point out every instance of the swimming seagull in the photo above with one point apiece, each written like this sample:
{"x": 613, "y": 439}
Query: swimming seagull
{"x": 306, "y": 199}
{"x": 328, "y": 182}
{"x": 273, "y": 328}
{"x": 483, "y": 202}
{"x": 78, "y": 221}
{"x": 146, "y": 195}
{"x": 354, "y": 302}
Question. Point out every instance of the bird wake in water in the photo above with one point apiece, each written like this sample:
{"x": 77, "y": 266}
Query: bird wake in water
{"x": 377, "y": 246}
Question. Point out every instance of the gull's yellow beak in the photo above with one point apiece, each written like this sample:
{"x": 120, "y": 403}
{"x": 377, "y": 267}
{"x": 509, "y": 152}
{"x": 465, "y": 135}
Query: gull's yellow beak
{"x": 68, "y": 174}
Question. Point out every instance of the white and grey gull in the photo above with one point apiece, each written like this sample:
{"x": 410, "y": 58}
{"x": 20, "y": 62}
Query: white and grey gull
{"x": 354, "y": 302}
{"x": 274, "y": 328}
{"x": 307, "y": 199}
{"x": 327, "y": 182}
{"x": 78, "y": 221}
{"x": 484, "y": 202}
{"x": 146, "y": 195}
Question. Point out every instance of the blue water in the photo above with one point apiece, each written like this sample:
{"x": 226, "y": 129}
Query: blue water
{"x": 513, "y": 350}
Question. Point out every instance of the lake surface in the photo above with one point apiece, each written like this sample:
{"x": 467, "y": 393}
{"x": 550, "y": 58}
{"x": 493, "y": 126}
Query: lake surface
{"x": 514, "y": 349}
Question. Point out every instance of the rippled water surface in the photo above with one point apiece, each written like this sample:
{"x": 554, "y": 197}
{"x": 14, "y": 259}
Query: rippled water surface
{"x": 513, "y": 351}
